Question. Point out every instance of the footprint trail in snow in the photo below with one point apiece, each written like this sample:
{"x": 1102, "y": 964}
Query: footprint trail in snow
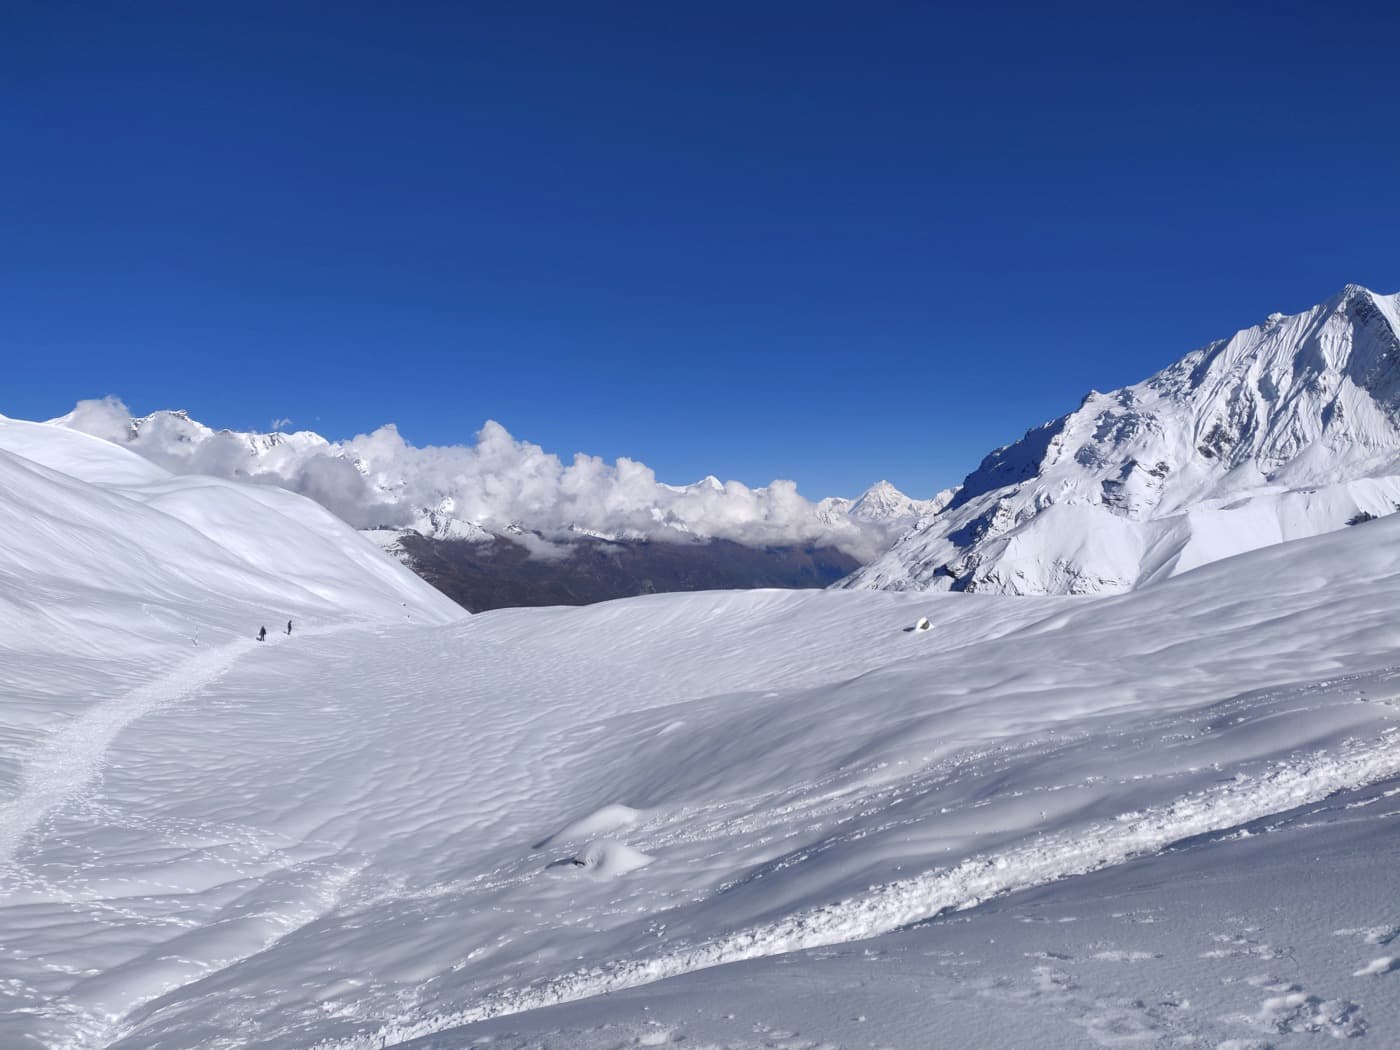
{"x": 61, "y": 767}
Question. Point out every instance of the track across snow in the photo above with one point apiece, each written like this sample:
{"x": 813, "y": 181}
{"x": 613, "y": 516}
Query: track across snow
{"x": 898, "y": 904}
{"x": 69, "y": 760}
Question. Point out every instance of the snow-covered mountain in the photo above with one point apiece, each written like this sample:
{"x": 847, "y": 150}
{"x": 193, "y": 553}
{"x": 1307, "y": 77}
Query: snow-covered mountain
{"x": 730, "y": 819}
{"x": 1288, "y": 429}
{"x": 501, "y": 486}
{"x": 885, "y": 506}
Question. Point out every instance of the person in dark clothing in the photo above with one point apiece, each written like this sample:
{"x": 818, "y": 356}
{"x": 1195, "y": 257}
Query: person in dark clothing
{"x": 262, "y": 633}
{"x": 289, "y": 627}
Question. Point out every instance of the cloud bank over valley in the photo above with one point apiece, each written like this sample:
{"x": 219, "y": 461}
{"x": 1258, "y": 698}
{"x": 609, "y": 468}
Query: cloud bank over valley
{"x": 500, "y": 483}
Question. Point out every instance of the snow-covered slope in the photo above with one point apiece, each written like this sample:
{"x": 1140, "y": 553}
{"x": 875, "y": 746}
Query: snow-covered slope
{"x": 379, "y": 831}
{"x": 1277, "y": 935}
{"x": 93, "y": 536}
{"x": 1288, "y": 429}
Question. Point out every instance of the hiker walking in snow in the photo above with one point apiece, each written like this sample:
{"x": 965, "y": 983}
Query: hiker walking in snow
{"x": 289, "y": 628}
{"x": 262, "y": 633}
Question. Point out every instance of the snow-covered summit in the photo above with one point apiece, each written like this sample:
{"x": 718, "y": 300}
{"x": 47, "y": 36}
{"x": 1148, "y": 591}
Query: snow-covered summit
{"x": 882, "y": 502}
{"x": 883, "y": 505}
{"x": 1289, "y": 428}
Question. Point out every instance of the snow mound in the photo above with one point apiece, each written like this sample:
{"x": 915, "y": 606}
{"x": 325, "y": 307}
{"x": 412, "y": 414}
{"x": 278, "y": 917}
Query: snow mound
{"x": 607, "y": 859}
{"x": 1381, "y": 965}
{"x": 601, "y": 821}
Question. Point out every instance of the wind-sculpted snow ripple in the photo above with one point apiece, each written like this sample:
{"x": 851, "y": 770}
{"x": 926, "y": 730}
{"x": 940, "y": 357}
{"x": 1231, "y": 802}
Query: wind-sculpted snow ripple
{"x": 898, "y": 904}
{"x": 707, "y": 778}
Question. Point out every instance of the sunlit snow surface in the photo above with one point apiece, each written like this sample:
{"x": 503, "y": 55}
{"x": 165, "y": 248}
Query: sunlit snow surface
{"x": 752, "y": 819}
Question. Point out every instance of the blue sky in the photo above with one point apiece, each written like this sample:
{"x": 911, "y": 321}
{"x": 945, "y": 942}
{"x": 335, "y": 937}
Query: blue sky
{"x": 827, "y": 242}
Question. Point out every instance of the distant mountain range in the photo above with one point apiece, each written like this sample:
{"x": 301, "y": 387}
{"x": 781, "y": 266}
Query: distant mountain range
{"x": 484, "y": 568}
{"x": 1288, "y": 429}
{"x": 517, "y": 566}
{"x": 596, "y": 533}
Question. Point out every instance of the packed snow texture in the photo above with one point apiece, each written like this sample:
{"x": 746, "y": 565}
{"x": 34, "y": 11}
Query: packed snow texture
{"x": 379, "y": 481}
{"x": 403, "y": 824}
{"x": 1289, "y": 429}
{"x": 1243, "y": 940}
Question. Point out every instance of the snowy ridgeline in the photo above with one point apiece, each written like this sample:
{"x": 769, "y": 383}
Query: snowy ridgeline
{"x": 120, "y": 569}
{"x": 1289, "y": 429}
{"x": 383, "y": 829}
{"x": 501, "y": 487}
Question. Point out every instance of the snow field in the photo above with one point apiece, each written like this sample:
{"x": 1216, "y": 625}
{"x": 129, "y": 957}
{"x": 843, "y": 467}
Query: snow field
{"x": 1247, "y": 939}
{"x": 113, "y": 573}
{"x": 366, "y": 834}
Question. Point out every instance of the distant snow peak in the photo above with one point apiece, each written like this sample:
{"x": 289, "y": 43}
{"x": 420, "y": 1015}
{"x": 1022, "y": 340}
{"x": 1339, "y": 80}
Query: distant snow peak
{"x": 442, "y": 523}
{"x": 882, "y": 502}
{"x": 1285, "y": 430}
{"x": 380, "y": 483}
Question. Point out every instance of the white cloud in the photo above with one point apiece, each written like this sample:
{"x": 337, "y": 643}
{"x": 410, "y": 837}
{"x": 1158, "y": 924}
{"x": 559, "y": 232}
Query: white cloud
{"x": 106, "y": 418}
{"x": 380, "y": 479}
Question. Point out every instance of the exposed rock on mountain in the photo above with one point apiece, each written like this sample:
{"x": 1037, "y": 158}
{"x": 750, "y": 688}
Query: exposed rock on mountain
{"x": 1288, "y": 429}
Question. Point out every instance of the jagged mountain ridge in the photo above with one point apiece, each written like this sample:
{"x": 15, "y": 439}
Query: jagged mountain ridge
{"x": 1287, "y": 429}
{"x": 883, "y": 504}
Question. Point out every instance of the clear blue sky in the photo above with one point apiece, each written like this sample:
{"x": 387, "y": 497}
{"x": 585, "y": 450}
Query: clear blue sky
{"x": 830, "y": 242}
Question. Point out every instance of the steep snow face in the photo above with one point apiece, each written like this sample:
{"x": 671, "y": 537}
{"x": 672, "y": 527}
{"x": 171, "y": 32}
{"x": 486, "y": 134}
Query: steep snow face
{"x": 380, "y": 483}
{"x": 1288, "y": 429}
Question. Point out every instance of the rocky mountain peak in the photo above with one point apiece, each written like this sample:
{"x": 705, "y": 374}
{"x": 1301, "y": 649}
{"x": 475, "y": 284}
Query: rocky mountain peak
{"x": 1124, "y": 488}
